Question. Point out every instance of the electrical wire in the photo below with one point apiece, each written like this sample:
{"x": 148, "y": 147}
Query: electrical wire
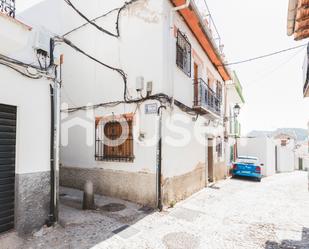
{"x": 262, "y": 56}
{"x": 23, "y": 68}
{"x": 277, "y": 67}
{"x": 161, "y": 97}
{"x": 118, "y": 70}
{"x": 92, "y": 22}
{"x": 20, "y": 71}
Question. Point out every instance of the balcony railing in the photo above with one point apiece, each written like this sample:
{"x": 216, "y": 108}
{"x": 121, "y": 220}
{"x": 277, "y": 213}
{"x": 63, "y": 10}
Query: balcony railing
{"x": 205, "y": 98}
{"x": 7, "y": 7}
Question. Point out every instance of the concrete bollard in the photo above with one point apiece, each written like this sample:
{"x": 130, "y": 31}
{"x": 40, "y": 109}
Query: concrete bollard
{"x": 88, "y": 200}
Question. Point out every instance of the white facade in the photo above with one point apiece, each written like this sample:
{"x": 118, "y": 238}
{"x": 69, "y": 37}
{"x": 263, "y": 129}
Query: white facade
{"x": 234, "y": 97}
{"x": 146, "y": 48}
{"x": 286, "y": 145}
{"x": 263, "y": 148}
{"x": 30, "y": 97}
{"x": 286, "y": 160}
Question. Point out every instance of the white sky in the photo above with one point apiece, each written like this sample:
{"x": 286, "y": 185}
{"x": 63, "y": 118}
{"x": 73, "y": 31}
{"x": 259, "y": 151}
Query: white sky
{"x": 272, "y": 86}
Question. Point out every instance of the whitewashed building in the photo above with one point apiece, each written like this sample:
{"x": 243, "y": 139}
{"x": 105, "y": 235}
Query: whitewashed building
{"x": 25, "y": 125}
{"x": 234, "y": 101}
{"x": 302, "y": 155}
{"x": 154, "y": 65}
{"x": 264, "y": 148}
{"x": 285, "y": 150}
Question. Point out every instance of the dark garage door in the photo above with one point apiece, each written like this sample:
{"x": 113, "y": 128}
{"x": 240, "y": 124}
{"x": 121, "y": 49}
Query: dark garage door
{"x": 7, "y": 166}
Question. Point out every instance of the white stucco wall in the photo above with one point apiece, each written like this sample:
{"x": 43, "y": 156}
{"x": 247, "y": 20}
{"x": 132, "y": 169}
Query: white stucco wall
{"x": 262, "y": 148}
{"x": 183, "y": 83}
{"x": 33, "y": 119}
{"x": 145, "y": 48}
{"x": 286, "y": 159}
{"x": 30, "y": 96}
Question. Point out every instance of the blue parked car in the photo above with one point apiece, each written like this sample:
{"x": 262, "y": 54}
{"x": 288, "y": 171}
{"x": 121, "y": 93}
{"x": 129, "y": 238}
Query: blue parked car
{"x": 247, "y": 166}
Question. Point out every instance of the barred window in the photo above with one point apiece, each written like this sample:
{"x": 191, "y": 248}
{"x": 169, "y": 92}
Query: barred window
{"x": 219, "y": 90}
{"x": 183, "y": 53}
{"x": 219, "y": 147}
{"x": 114, "y": 139}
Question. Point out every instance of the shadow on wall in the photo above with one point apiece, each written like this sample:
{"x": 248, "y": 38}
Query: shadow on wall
{"x": 289, "y": 244}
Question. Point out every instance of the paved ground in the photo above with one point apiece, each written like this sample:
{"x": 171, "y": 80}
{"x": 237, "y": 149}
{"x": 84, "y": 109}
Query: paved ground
{"x": 238, "y": 214}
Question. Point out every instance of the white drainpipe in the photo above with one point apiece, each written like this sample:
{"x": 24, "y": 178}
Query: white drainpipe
{"x": 171, "y": 43}
{"x": 291, "y": 17}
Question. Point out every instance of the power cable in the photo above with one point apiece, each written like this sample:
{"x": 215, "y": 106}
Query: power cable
{"x": 118, "y": 70}
{"x": 262, "y": 56}
{"x": 161, "y": 97}
{"x": 20, "y": 71}
{"x": 277, "y": 67}
{"x": 92, "y": 22}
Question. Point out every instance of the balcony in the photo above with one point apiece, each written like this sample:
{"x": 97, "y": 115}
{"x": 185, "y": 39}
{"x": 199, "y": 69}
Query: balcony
{"x": 206, "y": 100}
{"x": 7, "y": 7}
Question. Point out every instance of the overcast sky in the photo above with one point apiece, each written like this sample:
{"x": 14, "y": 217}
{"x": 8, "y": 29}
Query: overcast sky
{"x": 272, "y": 86}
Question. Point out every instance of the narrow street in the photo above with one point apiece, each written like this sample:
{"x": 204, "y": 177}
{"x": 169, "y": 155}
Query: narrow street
{"x": 234, "y": 213}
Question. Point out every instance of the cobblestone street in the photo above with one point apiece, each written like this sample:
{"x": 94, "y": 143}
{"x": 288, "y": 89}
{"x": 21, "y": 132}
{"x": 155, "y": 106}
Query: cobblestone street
{"x": 234, "y": 213}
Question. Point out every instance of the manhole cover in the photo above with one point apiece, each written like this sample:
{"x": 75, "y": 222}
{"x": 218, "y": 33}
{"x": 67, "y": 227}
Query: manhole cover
{"x": 180, "y": 240}
{"x": 113, "y": 207}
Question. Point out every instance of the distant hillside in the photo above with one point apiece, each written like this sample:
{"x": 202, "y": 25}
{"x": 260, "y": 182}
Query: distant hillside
{"x": 301, "y": 134}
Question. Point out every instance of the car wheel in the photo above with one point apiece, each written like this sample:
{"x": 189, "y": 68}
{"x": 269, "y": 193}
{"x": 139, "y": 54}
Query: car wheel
{"x": 259, "y": 179}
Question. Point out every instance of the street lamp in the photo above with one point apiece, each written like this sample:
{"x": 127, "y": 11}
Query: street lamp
{"x": 236, "y": 110}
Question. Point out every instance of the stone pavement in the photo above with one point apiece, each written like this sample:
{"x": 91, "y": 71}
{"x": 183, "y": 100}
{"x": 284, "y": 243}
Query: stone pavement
{"x": 236, "y": 213}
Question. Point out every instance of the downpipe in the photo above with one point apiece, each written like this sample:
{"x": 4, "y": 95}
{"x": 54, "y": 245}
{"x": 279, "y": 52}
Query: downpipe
{"x": 54, "y": 143}
{"x": 159, "y": 161}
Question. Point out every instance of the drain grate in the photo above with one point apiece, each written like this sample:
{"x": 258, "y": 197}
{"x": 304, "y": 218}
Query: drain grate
{"x": 214, "y": 187}
{"x": 113, "y": 207}
{"x": 126, "y": 231}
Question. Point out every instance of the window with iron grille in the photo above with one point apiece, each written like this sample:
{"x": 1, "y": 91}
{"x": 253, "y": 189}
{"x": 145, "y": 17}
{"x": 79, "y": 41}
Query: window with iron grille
{"x": 219, "y": 90}
{"x": 219, "y": 147}
{"x": 114, "y": 140}
{"x": 8, "y": 7}
{"x": 183, "y": 53}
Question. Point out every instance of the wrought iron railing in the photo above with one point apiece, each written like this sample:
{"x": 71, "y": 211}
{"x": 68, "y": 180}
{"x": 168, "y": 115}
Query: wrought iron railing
{"x": 8, "y": 7}
{"x": 206, "y": 98}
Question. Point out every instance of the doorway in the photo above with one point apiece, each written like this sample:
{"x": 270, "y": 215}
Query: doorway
{"x": 7, "y": 166}
{"x": 210, "y": 160}
{"x": 300, "y": 164}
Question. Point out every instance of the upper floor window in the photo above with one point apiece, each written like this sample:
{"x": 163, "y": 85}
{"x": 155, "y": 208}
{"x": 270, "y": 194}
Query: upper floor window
{"x": 7, "y": 7}
{"x": 219, "y": 90}
{"x": 183, "y": 53}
